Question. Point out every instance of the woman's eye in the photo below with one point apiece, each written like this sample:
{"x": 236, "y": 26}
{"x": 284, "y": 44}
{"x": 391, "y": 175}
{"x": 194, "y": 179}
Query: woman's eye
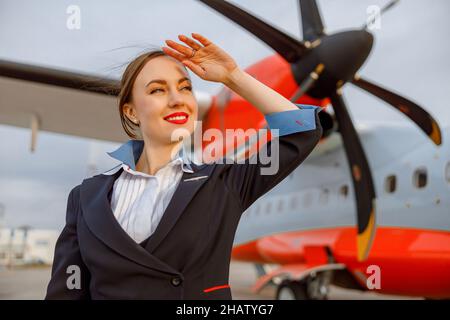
{"x": 155, "y": 90}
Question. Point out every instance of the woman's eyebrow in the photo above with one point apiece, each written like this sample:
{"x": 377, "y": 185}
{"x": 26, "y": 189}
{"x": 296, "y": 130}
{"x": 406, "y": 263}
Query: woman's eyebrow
{"x": 165, "y": 82}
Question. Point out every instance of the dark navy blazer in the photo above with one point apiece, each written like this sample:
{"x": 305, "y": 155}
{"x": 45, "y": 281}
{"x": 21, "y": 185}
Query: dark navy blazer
{"x": 188, "y": 255}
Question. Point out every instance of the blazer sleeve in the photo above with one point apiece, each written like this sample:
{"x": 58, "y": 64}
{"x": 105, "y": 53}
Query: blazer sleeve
{"x": 299, "y": 131}
{"x": 67, "y": 253}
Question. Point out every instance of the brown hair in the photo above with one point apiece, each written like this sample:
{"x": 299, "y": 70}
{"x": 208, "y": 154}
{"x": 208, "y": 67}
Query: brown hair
{"x": 126, "y": 85}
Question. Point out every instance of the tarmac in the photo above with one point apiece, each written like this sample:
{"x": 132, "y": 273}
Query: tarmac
{"x": 31, "y": 284}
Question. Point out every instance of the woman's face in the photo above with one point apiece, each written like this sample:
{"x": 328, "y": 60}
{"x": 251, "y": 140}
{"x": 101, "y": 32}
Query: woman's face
{"x": 163, "y": 101}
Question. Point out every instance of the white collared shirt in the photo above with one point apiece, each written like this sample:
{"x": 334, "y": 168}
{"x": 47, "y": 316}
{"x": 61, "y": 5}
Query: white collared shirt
{"x": 139, "y": 200}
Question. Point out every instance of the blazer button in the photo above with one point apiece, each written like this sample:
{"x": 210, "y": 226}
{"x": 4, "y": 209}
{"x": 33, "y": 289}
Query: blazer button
{"x": 176, "y": 281}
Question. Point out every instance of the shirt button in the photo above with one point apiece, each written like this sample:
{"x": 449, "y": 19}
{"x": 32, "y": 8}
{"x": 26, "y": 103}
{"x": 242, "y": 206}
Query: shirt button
{"x": 176, "y": 281}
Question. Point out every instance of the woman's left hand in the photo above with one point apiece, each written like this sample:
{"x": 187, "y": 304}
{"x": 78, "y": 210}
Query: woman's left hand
{"x": 208, "y": 61}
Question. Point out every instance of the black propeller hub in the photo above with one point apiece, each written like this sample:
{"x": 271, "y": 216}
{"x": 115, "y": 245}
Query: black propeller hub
{"x": 342, "y": 54}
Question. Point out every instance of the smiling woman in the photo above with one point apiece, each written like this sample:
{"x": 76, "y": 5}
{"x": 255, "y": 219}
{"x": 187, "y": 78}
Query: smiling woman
{"x": 156, "y": 97}
{"x": 128, "y": 97}
{"x": 159, "y": 226}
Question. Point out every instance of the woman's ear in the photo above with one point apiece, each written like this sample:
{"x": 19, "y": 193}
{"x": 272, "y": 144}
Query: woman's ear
{"x": 130, "y": 113}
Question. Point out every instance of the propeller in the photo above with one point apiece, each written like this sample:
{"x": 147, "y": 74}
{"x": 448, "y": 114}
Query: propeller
{"x": 410, "y": 109}
{"x": 321, "y": 65}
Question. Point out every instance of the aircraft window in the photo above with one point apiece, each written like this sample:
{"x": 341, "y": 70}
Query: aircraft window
{"x": 280, "y": 205}
{"x": 257, "y": 209}
{"x": 324, "y": 196}
{"x": 293, "y": 202}
{"x": 420, "y": 178}
{"x": 343, "y": 191}
{"x": 447, "y": 172}
{"x": 307, "y": 200}
{"x": 390, "y": 183}
{"x": 269, "y": 207}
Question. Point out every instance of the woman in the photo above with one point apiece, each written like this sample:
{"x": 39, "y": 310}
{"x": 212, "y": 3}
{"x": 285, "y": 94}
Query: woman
{"x": 158, "y": 226}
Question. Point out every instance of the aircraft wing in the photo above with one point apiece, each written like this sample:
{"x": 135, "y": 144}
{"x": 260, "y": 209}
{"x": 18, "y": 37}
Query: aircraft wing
{"x": 64, "y": 102}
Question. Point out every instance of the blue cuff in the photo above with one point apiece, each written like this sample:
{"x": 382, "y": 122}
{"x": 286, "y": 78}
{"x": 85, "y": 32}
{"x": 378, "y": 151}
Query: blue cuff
{"x": 293, "y": 121}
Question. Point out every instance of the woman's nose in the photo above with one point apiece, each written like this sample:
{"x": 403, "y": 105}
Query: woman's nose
{"x": 175, "y": 98}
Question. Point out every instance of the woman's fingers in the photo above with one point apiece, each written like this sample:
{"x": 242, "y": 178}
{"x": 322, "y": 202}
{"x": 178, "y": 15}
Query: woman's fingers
{"x": 195, "y": 68}
{"x": 174, "y": 54}
{"x": 201, "y": 39}
{"x": 179, "y": 47}
{"x": 189, "y": 42}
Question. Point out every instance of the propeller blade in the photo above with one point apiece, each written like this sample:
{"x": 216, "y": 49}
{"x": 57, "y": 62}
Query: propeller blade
{"x": 410, "y": 109}
{"x": 361, "y": 176}
{"x": 311, "y": 21}
{"x": 289, "y": 48}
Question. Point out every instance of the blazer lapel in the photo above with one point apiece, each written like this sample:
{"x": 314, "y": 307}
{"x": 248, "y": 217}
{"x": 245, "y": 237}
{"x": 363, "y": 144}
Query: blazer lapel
{"x": 189, "y": 185}
{"x": 100, "y": 220}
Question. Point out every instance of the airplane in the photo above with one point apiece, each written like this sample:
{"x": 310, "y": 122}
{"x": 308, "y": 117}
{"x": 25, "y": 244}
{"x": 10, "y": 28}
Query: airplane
{"x": 368, "y": 195}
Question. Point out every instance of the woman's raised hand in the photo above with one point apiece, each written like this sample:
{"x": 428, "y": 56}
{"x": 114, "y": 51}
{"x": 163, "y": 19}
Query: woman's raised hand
{"x": 206, "y": 59}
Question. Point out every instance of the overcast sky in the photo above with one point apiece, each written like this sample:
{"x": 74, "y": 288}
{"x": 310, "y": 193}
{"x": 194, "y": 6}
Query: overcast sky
{"x": 410, "y": 55}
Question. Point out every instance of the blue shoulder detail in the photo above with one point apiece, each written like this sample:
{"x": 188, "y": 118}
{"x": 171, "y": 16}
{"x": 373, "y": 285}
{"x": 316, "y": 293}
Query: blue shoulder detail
{"x": 293, "y": 121}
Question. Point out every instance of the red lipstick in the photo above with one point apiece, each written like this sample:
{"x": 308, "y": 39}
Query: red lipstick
{"x": 182, "y": 117}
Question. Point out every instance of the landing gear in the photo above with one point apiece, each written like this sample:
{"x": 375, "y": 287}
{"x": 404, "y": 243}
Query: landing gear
{"x": 292, "y": 290}
{"x": 313, "y": 287}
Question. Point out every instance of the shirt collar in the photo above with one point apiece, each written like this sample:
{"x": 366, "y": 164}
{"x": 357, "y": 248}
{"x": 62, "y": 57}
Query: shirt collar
{"x": 129, "y": 153}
